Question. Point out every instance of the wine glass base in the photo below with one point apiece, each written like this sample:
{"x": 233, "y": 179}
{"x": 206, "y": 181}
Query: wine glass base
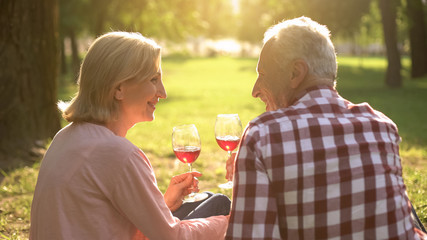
{"x": 227, "y": 185}
{"x": 197, "y": 197}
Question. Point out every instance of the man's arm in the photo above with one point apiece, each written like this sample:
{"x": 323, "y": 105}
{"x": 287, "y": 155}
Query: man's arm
{"x": 254, "y": 209}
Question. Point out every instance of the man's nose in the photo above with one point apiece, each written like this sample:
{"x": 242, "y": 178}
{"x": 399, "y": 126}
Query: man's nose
{"x": 255, "y": 90}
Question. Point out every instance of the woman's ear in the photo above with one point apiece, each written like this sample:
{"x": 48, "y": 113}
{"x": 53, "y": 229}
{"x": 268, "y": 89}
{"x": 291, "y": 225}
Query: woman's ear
{"x": 299, "y": 72}
{"x": 118, "y": 92}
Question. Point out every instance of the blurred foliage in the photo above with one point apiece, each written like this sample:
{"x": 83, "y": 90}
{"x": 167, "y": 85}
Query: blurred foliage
{"x": 217, "y": 18}
{"x": 163, "y": 19}
{"x": 212, "y": 18}
{"x": 177, "y": 20}
{"x": 340, "y": 16}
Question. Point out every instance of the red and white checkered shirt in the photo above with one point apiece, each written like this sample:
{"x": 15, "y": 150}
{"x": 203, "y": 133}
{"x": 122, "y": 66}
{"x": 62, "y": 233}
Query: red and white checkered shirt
{"x": 323, "y": 168}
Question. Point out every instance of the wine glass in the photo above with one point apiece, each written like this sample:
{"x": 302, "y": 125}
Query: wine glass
{"x": 186, "y": 146}
{"x": 228, "y": 130}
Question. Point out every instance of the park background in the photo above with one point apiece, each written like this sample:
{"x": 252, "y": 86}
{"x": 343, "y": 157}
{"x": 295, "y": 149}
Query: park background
{"x": 210, "y": 51}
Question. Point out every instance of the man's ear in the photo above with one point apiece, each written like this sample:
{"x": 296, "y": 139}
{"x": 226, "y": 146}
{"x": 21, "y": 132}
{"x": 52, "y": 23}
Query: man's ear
{"x": 299, "y": 72}
{"x": 118, "y": 92}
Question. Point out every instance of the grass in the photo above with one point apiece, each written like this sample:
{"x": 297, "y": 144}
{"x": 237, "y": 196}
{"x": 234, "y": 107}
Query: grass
{"x": 199, "y": 89}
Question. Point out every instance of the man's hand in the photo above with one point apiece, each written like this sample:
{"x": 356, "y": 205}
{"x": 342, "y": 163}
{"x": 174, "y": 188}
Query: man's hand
{"x": 179, "y": 187}
{"x": 230, "y": 167}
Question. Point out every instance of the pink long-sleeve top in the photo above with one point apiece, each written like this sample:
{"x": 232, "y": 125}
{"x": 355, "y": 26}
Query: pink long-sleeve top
{"x": 96, "y": 185}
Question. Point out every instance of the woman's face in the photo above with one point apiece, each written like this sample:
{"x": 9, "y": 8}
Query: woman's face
{"x": 138, "y": 98}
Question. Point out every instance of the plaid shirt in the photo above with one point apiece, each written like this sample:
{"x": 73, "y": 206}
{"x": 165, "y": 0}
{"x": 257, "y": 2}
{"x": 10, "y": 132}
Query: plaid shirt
{"x": 323, "y": 168}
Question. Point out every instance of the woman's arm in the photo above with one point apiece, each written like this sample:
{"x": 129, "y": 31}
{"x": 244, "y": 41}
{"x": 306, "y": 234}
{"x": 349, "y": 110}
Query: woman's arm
{"x": 137, "y": 196}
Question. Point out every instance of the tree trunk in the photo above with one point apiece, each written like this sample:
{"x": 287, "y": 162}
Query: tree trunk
{"x": 388, "y": 16}
{"x": 99, "y": 15}
{"x": 75, "y": 64}
{"x": 64, "y": 66}
{"x": 417, "y": 38}
{"x": 29, "y": 67}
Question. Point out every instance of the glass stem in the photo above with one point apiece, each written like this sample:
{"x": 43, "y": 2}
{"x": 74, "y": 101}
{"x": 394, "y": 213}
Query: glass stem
{"x": 192, "y": 194}
{"x": 229, "y": 155}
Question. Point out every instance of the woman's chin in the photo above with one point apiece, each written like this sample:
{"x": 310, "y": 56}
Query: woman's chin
{"x": 150, "y": 118}
{"x": 146, "y": 119}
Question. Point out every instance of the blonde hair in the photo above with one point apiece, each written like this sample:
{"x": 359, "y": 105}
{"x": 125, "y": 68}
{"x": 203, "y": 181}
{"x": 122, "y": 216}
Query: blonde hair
{"x": 303, "y": 38}
{"x": 112, "y": 59}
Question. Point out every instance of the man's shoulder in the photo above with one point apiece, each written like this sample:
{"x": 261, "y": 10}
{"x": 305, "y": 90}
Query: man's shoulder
{"x": 320, "y": 108}
{"x": 281, "y": 115}
{"x": 272, "y": 118}
{"x": 266, "y": 118}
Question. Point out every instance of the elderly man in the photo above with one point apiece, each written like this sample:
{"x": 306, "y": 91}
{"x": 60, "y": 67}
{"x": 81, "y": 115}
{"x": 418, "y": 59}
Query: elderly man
{"x": 314, "y": 165}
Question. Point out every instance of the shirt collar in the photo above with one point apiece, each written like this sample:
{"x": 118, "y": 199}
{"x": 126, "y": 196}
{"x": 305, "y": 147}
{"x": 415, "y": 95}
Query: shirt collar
{"x": 315, "y": 92}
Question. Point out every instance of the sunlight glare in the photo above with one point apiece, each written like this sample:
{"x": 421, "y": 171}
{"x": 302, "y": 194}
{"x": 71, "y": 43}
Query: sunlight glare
{"x": 228, "y": 46}
{"x": 235, "y": 4}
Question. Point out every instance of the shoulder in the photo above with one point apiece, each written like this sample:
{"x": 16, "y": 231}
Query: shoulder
{"x": 97, "y": 143}
{"x": 273, "y": 119}
{"x": 113, "y": 158}
{"x": 364, "y": 110}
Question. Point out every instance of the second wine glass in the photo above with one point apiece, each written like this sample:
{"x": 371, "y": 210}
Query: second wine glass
{"x": 228, "y": 130}
{"x": 186, "y": 146}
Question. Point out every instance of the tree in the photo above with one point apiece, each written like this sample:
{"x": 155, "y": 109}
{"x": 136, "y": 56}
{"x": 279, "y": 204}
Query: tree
{"x": 254, "y": 20}
{"x": 72, "y": 21}
{"x": 217, "y": 18}
{"x": 341, "y": 17}
{"x": 28, "y": 95}
{"x": 388, "y": 10}
{"x": 417, "y": 38}
{"x": 370, "y": 31}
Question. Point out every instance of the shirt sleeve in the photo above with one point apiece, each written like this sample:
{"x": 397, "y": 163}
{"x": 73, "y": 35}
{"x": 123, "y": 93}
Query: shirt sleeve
{"x": 254, "y": 209}
{"x": 137, "y": 196}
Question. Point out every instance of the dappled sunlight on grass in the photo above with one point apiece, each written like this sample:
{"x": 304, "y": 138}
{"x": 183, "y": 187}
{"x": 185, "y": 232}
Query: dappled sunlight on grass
{"x": 416, "y": 182}
{"x": 414, "y": 157}
{"x": 16, "y": 194}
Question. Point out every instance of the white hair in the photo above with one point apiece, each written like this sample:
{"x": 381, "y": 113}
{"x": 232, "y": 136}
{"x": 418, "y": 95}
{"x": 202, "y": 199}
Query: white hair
{"x": 303, "y": 38}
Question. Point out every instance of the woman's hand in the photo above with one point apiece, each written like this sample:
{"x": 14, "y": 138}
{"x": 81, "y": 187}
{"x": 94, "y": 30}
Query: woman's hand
{"x": 230, "y": 167}
{"x": 179, "y": 187}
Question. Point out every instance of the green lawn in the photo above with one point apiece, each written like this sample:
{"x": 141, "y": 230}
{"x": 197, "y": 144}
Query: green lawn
{"x": 200, "y": 88}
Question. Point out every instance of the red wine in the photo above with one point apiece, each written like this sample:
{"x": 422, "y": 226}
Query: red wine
{"x": 187, "y": 154}
{"x": 228, "y": 143}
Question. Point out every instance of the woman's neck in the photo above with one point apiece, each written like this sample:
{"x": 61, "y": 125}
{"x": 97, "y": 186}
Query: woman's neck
{"x": 118, "y": 127}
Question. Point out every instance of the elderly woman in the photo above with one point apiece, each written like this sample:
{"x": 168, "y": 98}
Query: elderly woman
{"x": 94, "y": 183}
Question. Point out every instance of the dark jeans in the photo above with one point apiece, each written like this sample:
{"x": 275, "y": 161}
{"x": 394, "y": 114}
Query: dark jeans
{"x": 214, "y": 205}
{"x": 417, "y": 221}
